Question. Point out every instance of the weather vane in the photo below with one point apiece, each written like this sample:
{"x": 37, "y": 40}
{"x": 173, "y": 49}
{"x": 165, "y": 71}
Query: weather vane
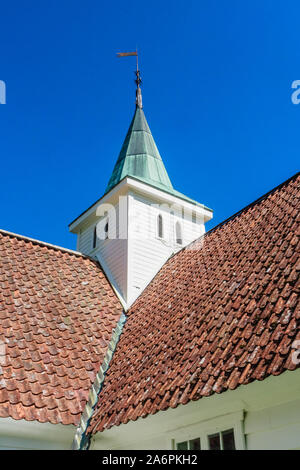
{"x": 138, "y": 79}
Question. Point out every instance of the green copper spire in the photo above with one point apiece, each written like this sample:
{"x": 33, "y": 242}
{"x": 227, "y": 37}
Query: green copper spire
{"x": 139, "y": 156}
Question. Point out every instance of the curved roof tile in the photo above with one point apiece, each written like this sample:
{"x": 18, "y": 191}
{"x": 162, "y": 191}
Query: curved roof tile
{"x": 57, "y": 314}
{"x": 222, "y": 312}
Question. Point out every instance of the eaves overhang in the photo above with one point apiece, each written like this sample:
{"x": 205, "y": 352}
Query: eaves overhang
{"x": 138, "y": 183}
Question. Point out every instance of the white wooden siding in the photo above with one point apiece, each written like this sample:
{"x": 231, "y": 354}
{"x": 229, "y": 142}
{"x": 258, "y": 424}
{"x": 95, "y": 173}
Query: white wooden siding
{"x": 112, "y": 253}
{"x": 147, "y": 252}
{"x": 85, "y": 240}
{"x": 132, "y": 260}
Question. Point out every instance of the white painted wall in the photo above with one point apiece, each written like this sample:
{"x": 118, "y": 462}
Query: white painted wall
{"x": 146, "y": 251}
{"x": 134, "y": 258}
{"x": 112, "y": 253}
{"x": 264, "y": 415}
{"x": 21, "y": 434}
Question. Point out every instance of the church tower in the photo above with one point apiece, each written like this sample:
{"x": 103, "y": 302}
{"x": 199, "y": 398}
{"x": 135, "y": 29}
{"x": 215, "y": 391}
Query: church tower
{"x": 141, "y": 220}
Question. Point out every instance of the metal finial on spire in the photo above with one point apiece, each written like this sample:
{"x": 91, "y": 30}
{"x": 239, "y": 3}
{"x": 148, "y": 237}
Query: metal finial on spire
{"x": 138, "y": 80}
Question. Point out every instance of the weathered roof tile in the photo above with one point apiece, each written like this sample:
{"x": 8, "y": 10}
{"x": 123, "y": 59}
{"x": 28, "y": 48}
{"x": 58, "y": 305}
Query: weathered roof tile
{"x": 47, "y": 314}
{"x": 234, "y": 321}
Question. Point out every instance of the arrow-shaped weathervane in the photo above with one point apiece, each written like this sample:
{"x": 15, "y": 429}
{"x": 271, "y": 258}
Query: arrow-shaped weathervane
{"x": 138, "y": 80}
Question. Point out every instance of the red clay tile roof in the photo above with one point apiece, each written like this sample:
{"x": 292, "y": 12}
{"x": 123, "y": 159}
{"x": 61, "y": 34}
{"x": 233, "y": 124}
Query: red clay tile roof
{"x": 221, "y": 313}
{"x": 57, "y": 313}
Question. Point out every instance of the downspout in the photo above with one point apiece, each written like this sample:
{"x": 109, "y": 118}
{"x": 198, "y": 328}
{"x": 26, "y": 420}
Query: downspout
{"x": 81, "y": 439}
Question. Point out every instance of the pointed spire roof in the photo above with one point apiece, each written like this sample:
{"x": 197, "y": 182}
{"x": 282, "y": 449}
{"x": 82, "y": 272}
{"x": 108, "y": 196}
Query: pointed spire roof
{"x": 139, "y": 156}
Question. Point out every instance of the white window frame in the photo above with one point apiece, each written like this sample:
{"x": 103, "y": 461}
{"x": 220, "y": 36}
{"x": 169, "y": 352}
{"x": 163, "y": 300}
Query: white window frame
{"x": 102, "y": 223}
{"x": 106, "y": 232}
{"x": 94, "y": 238}
{"x": 180, "y": 224}
{"x": 203, "y": 429}
{"x": 162, "y": 226}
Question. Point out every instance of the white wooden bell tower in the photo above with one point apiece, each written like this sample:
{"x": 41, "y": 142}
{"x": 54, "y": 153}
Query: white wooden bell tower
{"x": 141, "y": 220}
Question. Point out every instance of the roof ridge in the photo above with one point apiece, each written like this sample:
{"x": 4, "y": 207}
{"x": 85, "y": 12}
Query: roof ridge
{"x": 39, "y": 242}
{"x": 244, "y": 209}
{"x": 233, "y": 216}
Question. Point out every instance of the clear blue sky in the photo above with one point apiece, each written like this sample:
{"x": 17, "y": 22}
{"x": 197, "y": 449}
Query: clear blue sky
{"x": 216, "y": 90}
